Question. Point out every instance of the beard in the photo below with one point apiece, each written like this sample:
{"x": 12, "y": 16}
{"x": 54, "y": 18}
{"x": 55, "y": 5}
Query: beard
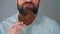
{"x": 24, "y": 10}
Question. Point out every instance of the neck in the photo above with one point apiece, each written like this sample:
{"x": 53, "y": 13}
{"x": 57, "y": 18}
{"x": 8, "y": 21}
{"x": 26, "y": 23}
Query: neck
{"x": 27, "y": 19}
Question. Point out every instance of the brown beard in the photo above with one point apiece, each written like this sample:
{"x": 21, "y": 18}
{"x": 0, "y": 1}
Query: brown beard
{"x": 27, "y": 16}
{"x": 28, "y": 19}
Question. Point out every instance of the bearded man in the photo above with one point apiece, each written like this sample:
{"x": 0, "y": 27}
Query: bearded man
{"x": 28, "y": 20}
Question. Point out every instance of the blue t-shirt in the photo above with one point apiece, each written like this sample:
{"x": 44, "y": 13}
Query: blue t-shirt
{"x": 41, "y": 25}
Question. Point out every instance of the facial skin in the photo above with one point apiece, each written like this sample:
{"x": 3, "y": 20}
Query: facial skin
{"x": 27, "y": 5}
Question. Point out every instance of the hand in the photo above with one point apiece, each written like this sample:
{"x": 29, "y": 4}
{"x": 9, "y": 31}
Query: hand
{"x": 15, "y": 28}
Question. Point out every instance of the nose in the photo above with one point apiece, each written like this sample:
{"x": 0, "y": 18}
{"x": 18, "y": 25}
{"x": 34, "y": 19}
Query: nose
{"x": 28, "y": 0}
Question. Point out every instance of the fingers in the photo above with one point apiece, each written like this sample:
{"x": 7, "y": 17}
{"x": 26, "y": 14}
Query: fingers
{"x": 12, "y": 31}
{"x": 16, "y": 27}
{"x": 16, "y": 24}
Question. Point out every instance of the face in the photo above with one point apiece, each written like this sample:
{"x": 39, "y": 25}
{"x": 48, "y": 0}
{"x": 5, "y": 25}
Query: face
{"x": 27, "y": 5}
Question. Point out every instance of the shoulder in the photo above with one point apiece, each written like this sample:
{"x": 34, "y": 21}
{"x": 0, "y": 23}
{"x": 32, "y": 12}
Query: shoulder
{"x": 48, "y": 20}
{"x": 47, "y": 26}
{"x": 4, "y": 24}
{"x": 50, "y": 24}
{"x": 1, "y": 29}
{"x": 9, "y": 20}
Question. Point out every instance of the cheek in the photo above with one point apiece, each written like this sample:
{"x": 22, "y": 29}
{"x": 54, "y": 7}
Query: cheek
{"x": 36, "y": 2}
{"x": 20, "y": 2}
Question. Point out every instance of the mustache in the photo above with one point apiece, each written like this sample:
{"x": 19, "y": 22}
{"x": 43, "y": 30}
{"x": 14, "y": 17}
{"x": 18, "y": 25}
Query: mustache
{"x": 29, "y": 3}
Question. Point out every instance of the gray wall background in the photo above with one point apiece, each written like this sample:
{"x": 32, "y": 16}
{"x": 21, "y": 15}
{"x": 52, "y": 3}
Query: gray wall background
{"x": 50, "y": 8}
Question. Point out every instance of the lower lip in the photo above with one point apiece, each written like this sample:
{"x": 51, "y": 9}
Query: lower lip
{"x": 28, "y": 5}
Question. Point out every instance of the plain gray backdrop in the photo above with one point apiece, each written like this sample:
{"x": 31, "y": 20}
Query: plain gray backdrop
{"x": 50, "y": 8}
